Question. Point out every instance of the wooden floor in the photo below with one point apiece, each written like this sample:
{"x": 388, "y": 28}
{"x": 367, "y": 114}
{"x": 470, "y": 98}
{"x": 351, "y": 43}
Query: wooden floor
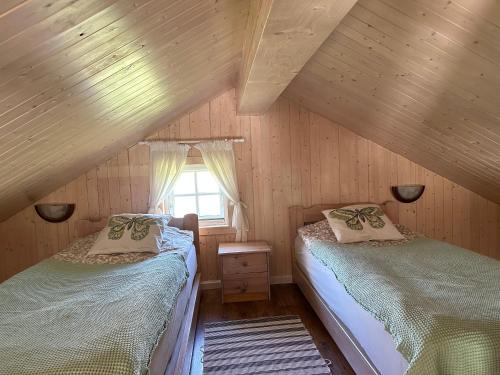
{"x": 285, "y": 299}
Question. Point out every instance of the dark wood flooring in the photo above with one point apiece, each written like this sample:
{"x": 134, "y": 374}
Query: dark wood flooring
{"x": 285, "y": 299}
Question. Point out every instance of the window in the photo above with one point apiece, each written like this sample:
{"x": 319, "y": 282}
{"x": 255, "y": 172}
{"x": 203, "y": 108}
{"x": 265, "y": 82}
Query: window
{"x": 197, "y": 191}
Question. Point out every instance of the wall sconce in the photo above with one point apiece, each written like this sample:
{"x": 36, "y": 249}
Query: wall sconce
{"x": 407, "y": 193}
{"x": 55, "y": 212}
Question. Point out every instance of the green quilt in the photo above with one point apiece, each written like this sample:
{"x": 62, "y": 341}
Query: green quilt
{"x": 63, "y": 318}
{"x": 440, "y": 303}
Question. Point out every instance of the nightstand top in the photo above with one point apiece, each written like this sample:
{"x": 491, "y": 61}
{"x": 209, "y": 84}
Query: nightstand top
{"x": 227, "y": 248}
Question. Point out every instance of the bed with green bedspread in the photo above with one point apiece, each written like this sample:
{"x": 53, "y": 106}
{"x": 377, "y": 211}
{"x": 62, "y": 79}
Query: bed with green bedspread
{"x": 440, "y": 303}
{"x": 71, "y": 318}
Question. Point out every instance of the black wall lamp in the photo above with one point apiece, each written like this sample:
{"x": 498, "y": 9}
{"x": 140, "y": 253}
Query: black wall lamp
{"x": 55, "y": 212}
{"x": 407, "y": 193}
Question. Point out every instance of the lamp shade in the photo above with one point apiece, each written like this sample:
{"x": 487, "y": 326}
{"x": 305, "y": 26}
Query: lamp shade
{"x": 55, "y": 212}
{"x": 407, "y": 193}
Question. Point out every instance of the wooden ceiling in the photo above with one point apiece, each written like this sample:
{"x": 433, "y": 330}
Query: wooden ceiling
{"x": 80, "y": 79}
{"x": 281, "y": 37}
{"x": 421, "y": 78}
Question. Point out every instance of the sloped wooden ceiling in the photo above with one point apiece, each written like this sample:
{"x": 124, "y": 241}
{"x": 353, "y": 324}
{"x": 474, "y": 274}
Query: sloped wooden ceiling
{"x": 80, "y": 79}
{"x": 281, "y": 36}
{"x": 421, "y": 78}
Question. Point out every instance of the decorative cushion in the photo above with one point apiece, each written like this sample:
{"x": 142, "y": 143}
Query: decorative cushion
{"x": 361, "y": 222}
{"x": 131, "y": 233}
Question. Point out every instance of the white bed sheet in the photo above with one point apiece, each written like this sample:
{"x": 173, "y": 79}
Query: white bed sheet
{"x": 172, "y": 332}
{"x": 368, "y": 331}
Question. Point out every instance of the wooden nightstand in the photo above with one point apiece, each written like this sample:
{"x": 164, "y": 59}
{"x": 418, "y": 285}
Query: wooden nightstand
{"x": 245, "y": 271}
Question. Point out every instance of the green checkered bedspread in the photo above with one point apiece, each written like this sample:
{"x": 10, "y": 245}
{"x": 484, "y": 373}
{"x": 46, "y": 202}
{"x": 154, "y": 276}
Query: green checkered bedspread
{"x": 63, "y": 318}
{"x": 440, "y": 303}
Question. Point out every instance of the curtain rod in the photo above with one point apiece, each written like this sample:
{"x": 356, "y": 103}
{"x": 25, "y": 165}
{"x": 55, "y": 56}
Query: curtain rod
{"x": 193, "y": 141}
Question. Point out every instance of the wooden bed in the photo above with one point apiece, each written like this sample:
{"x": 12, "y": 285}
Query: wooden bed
{"x": 159, "y": 358}
{"x": 355, "y": 355}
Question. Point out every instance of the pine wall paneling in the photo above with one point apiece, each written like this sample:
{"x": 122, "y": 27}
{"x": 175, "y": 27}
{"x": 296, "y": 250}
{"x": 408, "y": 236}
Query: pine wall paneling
{"x": 418, "y": 77}
{"x": 80, "y": 80}
{"x": 291, "y": 156}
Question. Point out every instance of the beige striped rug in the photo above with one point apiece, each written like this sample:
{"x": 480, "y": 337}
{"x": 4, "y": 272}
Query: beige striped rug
{"x": 273, "y": 345}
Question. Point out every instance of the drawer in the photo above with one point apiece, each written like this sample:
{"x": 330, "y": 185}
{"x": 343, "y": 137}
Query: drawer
{"x": 252, "y": 287}
{"x": 244, "y": 263}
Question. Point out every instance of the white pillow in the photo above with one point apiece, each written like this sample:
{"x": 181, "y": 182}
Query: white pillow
{"x": 131, "y": 233}
{"x": 361, "y": 222}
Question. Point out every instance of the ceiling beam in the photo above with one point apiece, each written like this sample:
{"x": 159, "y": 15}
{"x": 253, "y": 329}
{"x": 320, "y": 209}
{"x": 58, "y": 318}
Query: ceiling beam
{"x": 281, "y": 37}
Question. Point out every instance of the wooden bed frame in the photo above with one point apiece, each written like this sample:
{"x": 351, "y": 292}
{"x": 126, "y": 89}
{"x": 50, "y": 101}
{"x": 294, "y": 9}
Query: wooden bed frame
{"x": 355, "y": 355}
{"x": 187, "y": 330}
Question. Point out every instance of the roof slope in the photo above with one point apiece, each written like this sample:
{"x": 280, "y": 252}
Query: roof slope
{"x": 421, "y": 78}
{"x": 82, "y": 79}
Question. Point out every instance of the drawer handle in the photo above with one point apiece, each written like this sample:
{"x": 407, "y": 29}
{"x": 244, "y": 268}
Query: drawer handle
{"x": 244, "y": 287}
{"x": 245, "y": 263}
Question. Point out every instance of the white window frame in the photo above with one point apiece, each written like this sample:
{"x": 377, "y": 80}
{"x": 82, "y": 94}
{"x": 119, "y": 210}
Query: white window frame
{"x": 205, "y": 221}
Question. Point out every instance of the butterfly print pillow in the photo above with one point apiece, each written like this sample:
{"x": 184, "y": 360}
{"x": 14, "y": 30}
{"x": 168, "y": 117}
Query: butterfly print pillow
{"x": 131, "y": 233}
{"x": 361, "y": 222}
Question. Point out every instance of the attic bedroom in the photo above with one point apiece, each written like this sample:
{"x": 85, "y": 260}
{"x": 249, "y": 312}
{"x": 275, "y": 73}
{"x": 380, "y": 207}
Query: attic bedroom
{"x": 250, "y": 187}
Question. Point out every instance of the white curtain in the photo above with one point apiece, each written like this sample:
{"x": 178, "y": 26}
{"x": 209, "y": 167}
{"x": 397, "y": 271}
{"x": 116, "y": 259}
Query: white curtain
{"x": 166, "y": 162}
{"x": 218, "y": 156}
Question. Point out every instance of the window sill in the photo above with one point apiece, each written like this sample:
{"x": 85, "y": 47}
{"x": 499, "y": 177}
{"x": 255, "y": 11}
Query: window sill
{"x": 216, "y": 229}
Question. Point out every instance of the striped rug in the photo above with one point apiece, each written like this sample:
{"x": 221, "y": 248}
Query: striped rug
{"x": 274, "y": 345}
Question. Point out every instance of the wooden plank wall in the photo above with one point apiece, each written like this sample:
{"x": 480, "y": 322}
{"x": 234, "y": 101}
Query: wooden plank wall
{"x": 81, "y": 80}
{"x": 419, "y": 77}
{"x": 291, "y": 157}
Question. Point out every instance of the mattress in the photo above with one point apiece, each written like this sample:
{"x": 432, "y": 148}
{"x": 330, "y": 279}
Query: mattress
{"x": 369, "y": 333}
{"x": 169, "y": 340}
